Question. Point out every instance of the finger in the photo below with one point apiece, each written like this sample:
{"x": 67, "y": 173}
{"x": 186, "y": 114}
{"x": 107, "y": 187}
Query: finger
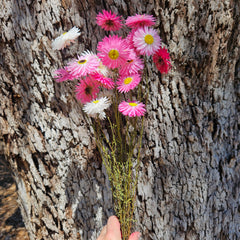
{"x": 135, "y": 236}
{"x": 113, "y": 228}
{"x": 103, "y": 233}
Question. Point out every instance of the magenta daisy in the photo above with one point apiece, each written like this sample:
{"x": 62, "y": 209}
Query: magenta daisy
{"x": 132, "y": 108}
{"x": 109, "y": 21}
{"x": 83, "y": 65}
{"x": 162, "y": 60}
{"x": 63, "y": 74}
{"x": 133, "y": 65}
{"x": 105, "y": 81}
{"x": 127, "y": 83}
{"x": 146, "y": 41}
{"x": 87, "y": 90}
{"x": 113, "y": 51}
{"x": 140, "y": 21}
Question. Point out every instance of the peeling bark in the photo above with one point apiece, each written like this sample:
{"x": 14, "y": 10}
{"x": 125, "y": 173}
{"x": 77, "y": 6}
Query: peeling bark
{"x": 190, "y": 171}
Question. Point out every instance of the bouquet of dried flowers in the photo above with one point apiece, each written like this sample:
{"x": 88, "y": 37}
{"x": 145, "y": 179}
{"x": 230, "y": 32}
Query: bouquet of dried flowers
{"x": 113, "y": 89}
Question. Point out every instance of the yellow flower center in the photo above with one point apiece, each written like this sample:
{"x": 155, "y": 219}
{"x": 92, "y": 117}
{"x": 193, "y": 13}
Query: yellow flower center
{"x": 96, "y": 101}
{"x": 113, "y": 54}
{"x": 149, "y": 39}
{"x": 133, "y": 104}
{"x": 127, "y": 80}
{"x": 64, "y": 33}
{"x": 82, "y": 61}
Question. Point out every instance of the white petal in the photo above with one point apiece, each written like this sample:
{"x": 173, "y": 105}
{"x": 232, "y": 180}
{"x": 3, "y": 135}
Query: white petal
{"x": 65, "y": 39}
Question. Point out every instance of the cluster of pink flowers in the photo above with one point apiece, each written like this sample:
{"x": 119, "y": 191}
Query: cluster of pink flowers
{"x": 117, "y": 64}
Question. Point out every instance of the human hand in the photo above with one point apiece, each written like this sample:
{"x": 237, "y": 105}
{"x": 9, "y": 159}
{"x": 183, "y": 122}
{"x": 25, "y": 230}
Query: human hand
{"x": 112, "y": 231}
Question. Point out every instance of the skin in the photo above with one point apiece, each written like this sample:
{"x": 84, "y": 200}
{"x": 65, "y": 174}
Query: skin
{"x": 112, "y": 231}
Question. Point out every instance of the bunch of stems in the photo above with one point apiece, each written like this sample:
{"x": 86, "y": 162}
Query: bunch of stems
{"x": 119, "y": 144}
{"x": 118, "y": 157}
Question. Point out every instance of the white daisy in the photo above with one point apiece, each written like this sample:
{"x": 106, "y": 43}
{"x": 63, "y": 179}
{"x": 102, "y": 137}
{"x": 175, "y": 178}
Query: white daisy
{"x": 65, "y": 39}
{"x": 146, "y": 41}
{"x": 96, "y": 108}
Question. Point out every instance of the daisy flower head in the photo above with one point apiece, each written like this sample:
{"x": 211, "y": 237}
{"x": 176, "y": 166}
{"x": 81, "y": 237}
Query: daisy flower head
{"x": 127, "y": 83}
{"x": 113, "y": 51}
{"x": 87, "y": 90}
{"x": 146, "y": 41}
{"x": 83, "y": 65}
{"x": 101, "y": 68}
{"x": 96, "y": 107}
{"x": 132, "y": 108}
{"x": 162, "y": 60}
{"x": 63, "y": 74}
{"x": 109, "y": 21}
{"x": 105, "y": 81}
{"x": 89, "y": 54}
{"x": 139, "y": 20}
{"x": 133, "y": 65}
{"x": 65, "y": 39}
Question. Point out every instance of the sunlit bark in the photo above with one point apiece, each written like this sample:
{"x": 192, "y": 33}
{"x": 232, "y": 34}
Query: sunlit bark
{"x": 189, "y": 179}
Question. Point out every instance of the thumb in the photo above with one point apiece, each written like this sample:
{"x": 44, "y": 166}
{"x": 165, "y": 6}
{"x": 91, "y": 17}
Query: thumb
{"x": 135, "y": 236}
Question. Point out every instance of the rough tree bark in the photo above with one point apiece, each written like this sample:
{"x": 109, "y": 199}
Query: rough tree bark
{"x": 190, "y": 171}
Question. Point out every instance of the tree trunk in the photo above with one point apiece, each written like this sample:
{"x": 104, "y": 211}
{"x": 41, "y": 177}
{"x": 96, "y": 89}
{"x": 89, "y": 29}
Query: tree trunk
{"x": 190, "y": 166}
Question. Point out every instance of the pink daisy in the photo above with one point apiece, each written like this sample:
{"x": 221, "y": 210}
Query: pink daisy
{"x": 146, "y": 41}
{"x": 63, "y": 74}
{"x": 113, "y": 51}
{"x": 83, "y": 65}
{"x": 140, "y": 21}
{"x": 127, "y": 83}
{"x": 109, "y": 21}
{"x": 87, "y": 90}
{"x": 133, "y": 65}
{"x": 162, "y": 60}
{"x": 132, "y": 108}
{"x": 105, "y": 81}
{"x": 102, "y": 69}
